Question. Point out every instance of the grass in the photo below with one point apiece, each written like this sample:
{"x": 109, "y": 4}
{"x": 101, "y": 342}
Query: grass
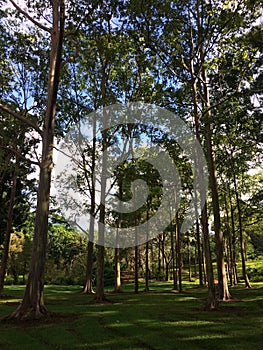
{"x": 161, "y": 319}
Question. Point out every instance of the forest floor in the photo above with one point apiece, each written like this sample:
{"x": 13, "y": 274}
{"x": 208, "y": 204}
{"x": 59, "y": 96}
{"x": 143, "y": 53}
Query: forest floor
{"x": 161, "y": 319}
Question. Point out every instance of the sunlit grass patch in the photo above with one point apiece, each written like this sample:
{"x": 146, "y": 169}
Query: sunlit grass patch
{"x": 160, "y": 319}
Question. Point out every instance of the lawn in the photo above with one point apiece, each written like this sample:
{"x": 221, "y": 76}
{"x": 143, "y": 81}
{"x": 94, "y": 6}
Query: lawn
{"x": 161, "y": 319}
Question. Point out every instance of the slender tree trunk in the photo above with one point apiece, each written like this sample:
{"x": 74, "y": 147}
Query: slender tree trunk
{"x": 204, "y": 263}
{"x": 204, "y": 259}
{"x": 117, "y": 271}
{"x": 233, "y": 241}
{"x": 136, "y": 252}
{"x": 147, "y": 270}
{"x": 211, "y": 303}
{"x": 173, "y": 261}
{"x": 136, "y": 269}
{"x": 196, "y": 261}
{"x": 189, "y": 259}
{"x": 197, "y": 134}
{"x": 241, "y": 238}
{"x": 159, "y": 259}
{"x": 88, "y": 289}
{"x": 199, "y": 254}
{"x": 224, "y": 293}
{"x": 32, "y": 304}
{"x": 178, "y": 252}
{"x": 229, "y": 241}
{"x": 8, "y": 229}
{"x": 100, "y": 296}
{"x": 227, "y": 261}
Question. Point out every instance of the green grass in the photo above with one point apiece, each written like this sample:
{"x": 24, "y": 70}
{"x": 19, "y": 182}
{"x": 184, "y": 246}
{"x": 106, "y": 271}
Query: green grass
{"x": 161, "y": 319}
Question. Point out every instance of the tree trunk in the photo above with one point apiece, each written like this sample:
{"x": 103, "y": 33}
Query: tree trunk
{"x": 233, "y": 240}
{"x": 136, "y": 269}
{"x": 189, "y": 259}
{"x": 199, "y": 254}
{"x": 159, "y": 259}
{"x": 173, "y": 262}
{"x": 178, "y": 252}
{"x": 211, "y": 303}
{"x": 242, "y": 247}
{"x": 8, "y": 229}
{"x": 100, "y": 296}
{"x": 87, "y": 289}
{"x": 117, "y": 271}
{"x": 147, "y": 270}
{"x": 229, "y": 248}
{"x": 32, "y": 304}
{"x": 222, "y": 279}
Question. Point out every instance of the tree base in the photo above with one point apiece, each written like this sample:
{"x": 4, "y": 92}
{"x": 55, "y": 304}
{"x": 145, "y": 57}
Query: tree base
{"x": 27, "y": 313}
{"x": 90, "y": 292}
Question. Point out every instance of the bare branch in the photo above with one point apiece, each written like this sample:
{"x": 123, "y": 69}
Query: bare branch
{"x": 21, "y": 118}
{"x": 40, "y": 25}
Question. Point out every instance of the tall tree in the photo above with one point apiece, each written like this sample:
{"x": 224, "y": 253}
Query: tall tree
{"x": 32, "y": 304}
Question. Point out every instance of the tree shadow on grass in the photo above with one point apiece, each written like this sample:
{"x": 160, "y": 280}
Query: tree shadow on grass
{"x": 49, "y": 318}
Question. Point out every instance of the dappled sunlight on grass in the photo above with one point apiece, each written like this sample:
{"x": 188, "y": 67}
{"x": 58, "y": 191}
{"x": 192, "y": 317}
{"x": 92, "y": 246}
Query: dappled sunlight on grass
{"x": 161, "y": 319}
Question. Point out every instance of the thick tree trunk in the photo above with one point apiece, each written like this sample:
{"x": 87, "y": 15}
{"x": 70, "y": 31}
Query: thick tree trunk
{"x": 8, "y": 229}
{"x": 100, "y": 296}
{"x": 32, "y": 304}
{"x": 87, "y": 289}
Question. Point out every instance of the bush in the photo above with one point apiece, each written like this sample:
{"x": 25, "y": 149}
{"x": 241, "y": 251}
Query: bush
{"x": 255, "y": 274}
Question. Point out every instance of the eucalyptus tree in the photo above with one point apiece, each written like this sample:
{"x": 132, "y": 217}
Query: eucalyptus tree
{"x": 110, "y": 69}
{"x": 189, "y": 38}
{"x": 33, "y": 303}
{"x": 238, "y": 122}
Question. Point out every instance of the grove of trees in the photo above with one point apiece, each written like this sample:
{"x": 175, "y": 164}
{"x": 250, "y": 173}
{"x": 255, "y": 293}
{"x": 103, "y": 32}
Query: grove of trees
{"x": 61, "y": 61}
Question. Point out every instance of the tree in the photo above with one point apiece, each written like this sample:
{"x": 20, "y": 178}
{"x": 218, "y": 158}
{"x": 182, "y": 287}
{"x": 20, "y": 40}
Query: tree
{"x": 32, "y": 304}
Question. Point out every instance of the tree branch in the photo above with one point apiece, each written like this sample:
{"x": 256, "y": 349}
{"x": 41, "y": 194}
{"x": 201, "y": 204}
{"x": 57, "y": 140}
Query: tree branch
{"x": 40, "y": 25}
{"x": 19, "y": 155}
{"x": 21, "y": 118}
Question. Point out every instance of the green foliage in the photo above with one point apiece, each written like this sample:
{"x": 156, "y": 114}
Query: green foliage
{"x": 66, "y": 256}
